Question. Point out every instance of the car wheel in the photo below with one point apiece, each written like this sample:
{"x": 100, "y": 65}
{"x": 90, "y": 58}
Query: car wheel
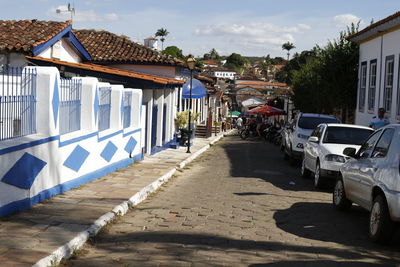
{"x": 381, "y": 226}
{"x": 339, "y": 196}
{"x": 305, "y": 173}
{"x": 318, "y": 180}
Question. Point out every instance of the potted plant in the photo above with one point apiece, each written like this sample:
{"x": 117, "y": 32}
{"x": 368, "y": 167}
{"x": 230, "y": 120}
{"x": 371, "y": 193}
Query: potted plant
{"x": 181, "y": 121}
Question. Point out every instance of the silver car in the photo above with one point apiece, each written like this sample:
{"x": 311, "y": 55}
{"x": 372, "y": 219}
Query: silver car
{"x": 371, "y": 179}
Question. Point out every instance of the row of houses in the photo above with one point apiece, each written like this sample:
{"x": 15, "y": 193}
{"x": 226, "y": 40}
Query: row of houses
{"x": 78, "y": 104}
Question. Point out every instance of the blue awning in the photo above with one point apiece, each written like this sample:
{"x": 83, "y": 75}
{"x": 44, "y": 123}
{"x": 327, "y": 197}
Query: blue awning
{"x": 198, "y": 90}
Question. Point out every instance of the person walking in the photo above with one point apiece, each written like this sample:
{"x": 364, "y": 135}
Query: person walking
{"x": 239, "y": 123}
{"x": 380, "y": 120}
{"x": 223, "y": 123}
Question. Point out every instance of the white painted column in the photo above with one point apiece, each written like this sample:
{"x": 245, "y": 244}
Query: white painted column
{"x": 169, "y": 122}
{"x": 148, "y": 98}
{"x": 116, "y": 101}
{"x": 47, "y": 84}
{"x": 89, "y": 88}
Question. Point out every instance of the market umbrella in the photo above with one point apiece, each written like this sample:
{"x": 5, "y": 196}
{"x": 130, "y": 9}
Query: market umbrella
{"x": 267, "y": 110}
{"x": 234, "y": 113}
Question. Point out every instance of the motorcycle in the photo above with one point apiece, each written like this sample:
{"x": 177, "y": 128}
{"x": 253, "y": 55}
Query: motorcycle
{"x": 248, "y": 130}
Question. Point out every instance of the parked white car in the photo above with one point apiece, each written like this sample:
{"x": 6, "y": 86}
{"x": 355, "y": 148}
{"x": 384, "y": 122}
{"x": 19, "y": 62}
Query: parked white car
{"x": 371, "y": 179}
{"x": 323, "y": 152}
{"x": 297, "y": 134}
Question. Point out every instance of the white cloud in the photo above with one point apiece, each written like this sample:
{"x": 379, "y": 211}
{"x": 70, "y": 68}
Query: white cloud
{"x": 345, "y": 20}
{"x": 255, "y": 37}
{"x": 252, "y": 29}
{"x": 304, "y": 26}
{"x": 80, "y": 15}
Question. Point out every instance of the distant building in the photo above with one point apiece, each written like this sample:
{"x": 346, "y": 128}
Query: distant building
{"x": 151, "y": 42}
{"x": 220, "y": 73}
{"x": 379, "y": 65}
{"x": 213, "y": 63}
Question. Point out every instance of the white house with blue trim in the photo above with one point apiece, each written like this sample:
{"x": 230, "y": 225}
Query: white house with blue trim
{"x": 57, "y": 132}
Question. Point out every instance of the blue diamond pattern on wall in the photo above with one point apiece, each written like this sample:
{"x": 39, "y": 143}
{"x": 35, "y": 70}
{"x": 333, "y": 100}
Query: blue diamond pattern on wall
{"x": 109, "y": 151}
{"x": 130, "y": 146}
{"x": 76, "y": 158}
{"x": 24, "y": 172}
{"x": 55, "y": 102}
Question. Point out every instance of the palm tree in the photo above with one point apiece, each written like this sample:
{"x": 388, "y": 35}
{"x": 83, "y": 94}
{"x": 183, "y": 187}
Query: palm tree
{"x": 288, "y": 46}
{"x": 162, "y": 33}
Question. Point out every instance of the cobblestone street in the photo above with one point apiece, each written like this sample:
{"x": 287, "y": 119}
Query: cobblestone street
{"x": 239, "y": 204}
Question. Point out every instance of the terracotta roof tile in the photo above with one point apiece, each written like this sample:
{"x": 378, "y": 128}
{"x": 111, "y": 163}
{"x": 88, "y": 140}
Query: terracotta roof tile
{"x": 107, "y": 47}
{"x": 110, "y": 70}
{"x": 22, "y": 35}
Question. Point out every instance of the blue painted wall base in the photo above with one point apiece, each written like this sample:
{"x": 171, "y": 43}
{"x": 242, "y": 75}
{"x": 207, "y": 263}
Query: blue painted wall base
{"x": 28, "y": 202}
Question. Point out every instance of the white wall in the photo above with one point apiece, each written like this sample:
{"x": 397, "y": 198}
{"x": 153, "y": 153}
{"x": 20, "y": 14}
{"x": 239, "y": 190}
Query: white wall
{"x": 62, "y": 50}
{"x": 63, "y": 162}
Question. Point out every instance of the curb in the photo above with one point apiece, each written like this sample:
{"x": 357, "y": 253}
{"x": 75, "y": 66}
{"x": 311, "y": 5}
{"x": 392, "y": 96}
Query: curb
{"x": 66, "y": 251}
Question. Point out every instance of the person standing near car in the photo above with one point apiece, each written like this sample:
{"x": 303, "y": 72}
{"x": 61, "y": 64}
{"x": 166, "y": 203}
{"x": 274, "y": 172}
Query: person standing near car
{"x": 380, "y": 120}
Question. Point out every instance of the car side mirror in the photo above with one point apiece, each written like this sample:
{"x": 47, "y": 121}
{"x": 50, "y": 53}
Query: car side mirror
{"x": 350, "y": 152}
{"x": 313, "y": 139}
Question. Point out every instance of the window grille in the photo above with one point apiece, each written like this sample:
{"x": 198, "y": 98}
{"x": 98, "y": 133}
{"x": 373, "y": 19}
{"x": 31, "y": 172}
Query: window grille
{"x": 363, "y": 85}
{"x": 127, "y": 109}
{"x": 372, "y": 85}
{"x": 387, "y": 94}
{"x": 104, "y": 108}
{"x": 70, "y": 105}
{"x": 17, "y": 102}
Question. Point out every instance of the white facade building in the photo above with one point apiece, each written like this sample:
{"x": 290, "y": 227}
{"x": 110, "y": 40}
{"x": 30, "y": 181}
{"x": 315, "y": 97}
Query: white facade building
{"x": 221, "y": 73}
{"x": 379, "y": 66}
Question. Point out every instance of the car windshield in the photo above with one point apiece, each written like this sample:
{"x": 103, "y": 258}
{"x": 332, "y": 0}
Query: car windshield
{"x": 312, "y": 122}
{"x": 346, "y": 135}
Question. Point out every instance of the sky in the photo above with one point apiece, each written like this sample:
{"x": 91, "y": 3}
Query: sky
{"x": 250, "y": 28}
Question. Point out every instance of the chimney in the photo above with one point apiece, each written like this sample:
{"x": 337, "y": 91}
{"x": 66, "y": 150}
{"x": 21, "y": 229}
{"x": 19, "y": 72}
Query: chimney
{"x": 151, "y": 42}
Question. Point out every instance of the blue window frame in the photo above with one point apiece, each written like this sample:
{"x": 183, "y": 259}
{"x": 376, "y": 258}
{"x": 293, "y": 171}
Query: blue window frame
{"x": 127, "y": 109}
{"x": 104, "y": 108}
{"x": 70, "y": 105}
{"x": 388, "y": 89}
{"x": 17, "y": 102}
{"x": 363, "y": 86}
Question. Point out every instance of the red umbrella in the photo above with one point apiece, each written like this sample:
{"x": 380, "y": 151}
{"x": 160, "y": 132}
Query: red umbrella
{"x": 267, "y": 110}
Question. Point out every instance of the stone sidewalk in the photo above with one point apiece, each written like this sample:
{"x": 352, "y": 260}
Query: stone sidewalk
{"x": 55, "y": 228}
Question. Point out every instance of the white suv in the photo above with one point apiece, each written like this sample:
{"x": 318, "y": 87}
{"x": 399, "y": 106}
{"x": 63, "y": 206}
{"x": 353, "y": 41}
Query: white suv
{"x": 371, "y": 178}
{"x": 297, "y": 134}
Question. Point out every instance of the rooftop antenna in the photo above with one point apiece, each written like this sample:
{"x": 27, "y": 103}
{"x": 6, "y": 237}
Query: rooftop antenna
{"x": 70, "y": 9}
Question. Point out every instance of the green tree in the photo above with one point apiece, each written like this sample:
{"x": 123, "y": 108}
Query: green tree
{"x": 162, "y": 33}
{"x": 214, "y": 54}
{"x": 339, "y": 72}
{"x": 324, "y": 80}
{"x": 288, "y": 46}
{"x": 173, "y": 51}
{"x": 235, "y": 62}
{"x": 285, "y": 75}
